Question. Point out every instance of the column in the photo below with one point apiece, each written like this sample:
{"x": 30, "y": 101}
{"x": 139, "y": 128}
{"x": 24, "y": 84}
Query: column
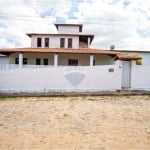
{"x": 91, "y": 60}
{"x": 55, "y": 60}
{"x": 20, "y": 60}
{"x": 88, "y": 42}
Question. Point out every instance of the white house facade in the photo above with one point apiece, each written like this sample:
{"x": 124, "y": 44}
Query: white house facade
{"x": 65, "y": 62}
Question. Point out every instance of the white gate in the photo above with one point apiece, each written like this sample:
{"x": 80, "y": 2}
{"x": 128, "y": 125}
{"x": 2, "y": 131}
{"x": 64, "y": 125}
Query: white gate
{"x": 126, "y": 74}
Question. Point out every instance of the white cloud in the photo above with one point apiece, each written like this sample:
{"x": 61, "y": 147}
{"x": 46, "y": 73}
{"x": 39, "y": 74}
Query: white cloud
{"x": 124, "y": 23}
{"x": 112, "y": 23}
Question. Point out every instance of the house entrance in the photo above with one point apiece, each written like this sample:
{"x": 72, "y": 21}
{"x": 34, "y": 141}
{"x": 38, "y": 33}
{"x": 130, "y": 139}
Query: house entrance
{"x": 126, "y": 74}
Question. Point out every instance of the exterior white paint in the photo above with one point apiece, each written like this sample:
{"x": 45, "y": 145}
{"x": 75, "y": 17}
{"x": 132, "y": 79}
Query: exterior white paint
{"x": 55, "y": 60}
{"x": 146, "y": 58}
{"x": 4, "y": 59}
{"x": 91, "y": 60}
{"x": 96, "y": 78}
{"x": 20, "y": 60}
{"x": 54, "y": 41}
{"x": 68, "y": 29}
{"x": 140, "y": 76}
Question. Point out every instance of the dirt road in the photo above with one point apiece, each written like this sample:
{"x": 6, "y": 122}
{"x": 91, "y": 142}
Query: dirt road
{"x": 75, "y": 123}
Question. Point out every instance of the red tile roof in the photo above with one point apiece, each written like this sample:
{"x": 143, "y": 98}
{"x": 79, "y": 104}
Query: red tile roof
{"x": 127, "y": 57}
{"x": 116, "y": 54}
{"x": 59, "y": 50}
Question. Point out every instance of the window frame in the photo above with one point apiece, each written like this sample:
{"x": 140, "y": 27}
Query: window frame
{"x": 45, "y": 61}
{"x": 25, "y": 61}
{"x": 39, "y": 42}
{"x": 16, "y": 60}
{"x": 46, "y": 42}
{"x": 69, "y": 42}
{"x": 38, "y": 63}
{"x": 62, "y": 42}
{"x": 73, "y": 62}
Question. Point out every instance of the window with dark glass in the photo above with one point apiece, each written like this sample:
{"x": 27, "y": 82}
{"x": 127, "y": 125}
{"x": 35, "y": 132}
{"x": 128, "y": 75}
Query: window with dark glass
{"x": 16, "y": 60}
{"x": 25, "y": 61}
{"x": 45, "y": 61}
{"x": 94, "y": 62}
{"x": 62, "y": 42}
{"x": 46, "y": 42}
{"x": 69, "y": 43}
{"x": 73, "y": 62}
{"x": 39, "y": 42}
{"x": 38, "y": 61}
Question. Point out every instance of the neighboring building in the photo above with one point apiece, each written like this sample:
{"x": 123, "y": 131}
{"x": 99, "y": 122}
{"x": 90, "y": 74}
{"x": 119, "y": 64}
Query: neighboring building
{"x": 145, "y": 55}
{"x": 63, "y": 62}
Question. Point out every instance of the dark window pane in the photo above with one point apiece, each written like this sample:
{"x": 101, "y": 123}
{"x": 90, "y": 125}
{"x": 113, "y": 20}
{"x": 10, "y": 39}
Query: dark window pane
{"x": 16, "y": 60}
{"x": 73, "y": 62}
{"x": 45, "y": 61}
{"x": 69, "y": 43}
{"x": 39, "y": 42}
{"x": 38, "y": 61}
{"x": 25, "y": 61}
{"x": 46, "y": 42}
{"x": 62, "y": 42}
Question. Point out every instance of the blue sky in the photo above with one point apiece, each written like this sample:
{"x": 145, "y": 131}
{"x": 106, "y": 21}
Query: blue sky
{"x": 123, "y": 23}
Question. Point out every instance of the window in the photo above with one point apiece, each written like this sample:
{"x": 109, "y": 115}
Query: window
{"x": 39, "y": 42}
{"x": 46, "y": 42}
{"x": 69, "y": 43}
{"x": 45, "y": 61}
{"x": 62, "y": 42}
{"x": 38, "y": 61}
{"x": 73, "y": 62}
{"x": 94, "y": 62}
{"x": 16, "y": 60}
{"x": 25, "y": 61}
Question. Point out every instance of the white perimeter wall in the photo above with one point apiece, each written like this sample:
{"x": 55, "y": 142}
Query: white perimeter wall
{"x": 140, "y": 76}
{"x": 96, "y": 78}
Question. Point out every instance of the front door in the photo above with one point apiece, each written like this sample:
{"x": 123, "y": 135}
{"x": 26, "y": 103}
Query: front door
{"x": 126, "y": 74}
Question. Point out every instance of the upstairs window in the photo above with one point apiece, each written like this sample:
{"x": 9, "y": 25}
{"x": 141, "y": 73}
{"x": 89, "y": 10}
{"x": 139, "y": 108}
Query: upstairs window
{"x": 45, "y": 61}
{"x": 69, "y": 43}
{"x": 38, "y": 61}
{"x": 62, "y": 42}
{"x": 46, "y": 42}
{"x": 39, "y": 42}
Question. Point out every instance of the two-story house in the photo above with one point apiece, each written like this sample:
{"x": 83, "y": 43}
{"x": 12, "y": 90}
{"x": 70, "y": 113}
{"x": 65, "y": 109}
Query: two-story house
{"x": 70, "y": 47}
{"x": 62, "y": 62}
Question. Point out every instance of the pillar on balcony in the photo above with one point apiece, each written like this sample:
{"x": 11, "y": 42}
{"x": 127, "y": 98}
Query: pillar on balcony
{"x": 20, "y": 60}
{"x": 91, "y": 60}
{"x": 55, "y": 60}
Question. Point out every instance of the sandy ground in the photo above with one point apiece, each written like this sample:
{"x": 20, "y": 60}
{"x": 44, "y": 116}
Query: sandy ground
{"x": 75, "y": 123}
